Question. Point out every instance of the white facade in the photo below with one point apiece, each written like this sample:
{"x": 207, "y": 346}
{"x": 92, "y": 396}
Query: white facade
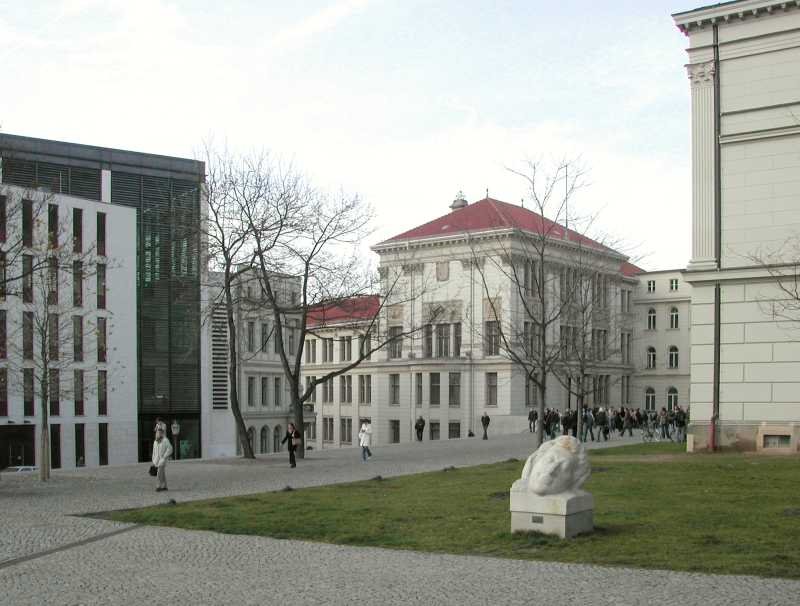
{"x": 119, "y": 420}
{"x": 746, "y": 203}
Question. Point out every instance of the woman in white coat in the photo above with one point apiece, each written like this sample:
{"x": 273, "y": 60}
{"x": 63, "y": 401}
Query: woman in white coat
{"x": 365, "y": 441}
{"x": 162, "y": 451}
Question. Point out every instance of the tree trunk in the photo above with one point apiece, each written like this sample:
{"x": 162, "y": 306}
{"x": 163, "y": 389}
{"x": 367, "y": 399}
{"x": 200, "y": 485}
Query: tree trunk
{"x": 579, "y": 425}
{"x": 233, "y": 378}
{"x": 44, "y": 446}
{"x": 297, "y": 405}
{"x": 538, "y": 435}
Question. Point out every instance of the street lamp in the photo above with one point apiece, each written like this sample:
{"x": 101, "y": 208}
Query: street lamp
{"x": 176, "y": 429}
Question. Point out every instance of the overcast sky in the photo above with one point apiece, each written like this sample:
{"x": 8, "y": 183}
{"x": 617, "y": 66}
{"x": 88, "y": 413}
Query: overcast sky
{"x": 405, "y": 102}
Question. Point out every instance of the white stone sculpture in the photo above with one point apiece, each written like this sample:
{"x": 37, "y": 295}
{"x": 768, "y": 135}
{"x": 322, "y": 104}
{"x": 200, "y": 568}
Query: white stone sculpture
{"x": 548, "y": 497}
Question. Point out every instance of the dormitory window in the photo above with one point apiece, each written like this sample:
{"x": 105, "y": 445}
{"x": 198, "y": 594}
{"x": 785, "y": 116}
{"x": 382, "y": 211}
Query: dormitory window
{"x": 651, "y": 319}
{"x": 651, "y": 286}
{"x": 491, "y": 389}
{"x": 434, "y": 389}
{"x": 651, "y": 357}
{"x": 673, "y": 357}
{"x": 673, "y": 318}
{"x": 454, "y": 390}
{"x": 673, "y": 284}
{"x": 394, "y": 389}
{"x": 492, "y": 340}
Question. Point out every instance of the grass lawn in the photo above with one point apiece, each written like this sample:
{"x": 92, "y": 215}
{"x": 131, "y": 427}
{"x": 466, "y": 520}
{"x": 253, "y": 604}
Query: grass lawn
{"x": 655, "y": 508}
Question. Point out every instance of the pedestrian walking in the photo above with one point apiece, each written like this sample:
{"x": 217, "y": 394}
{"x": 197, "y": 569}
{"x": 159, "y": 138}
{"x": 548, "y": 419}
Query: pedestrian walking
{"x": 162, "y": 450}
{"x": 160, "y": 425}
{"x": 485, "y": 420}
{"x": 532, "y": 415}
{"x": 419, "y": 426}
{"x": 295, "y": 439}
{"x": 365, "y": 440}
{"x": 588, "y": 424}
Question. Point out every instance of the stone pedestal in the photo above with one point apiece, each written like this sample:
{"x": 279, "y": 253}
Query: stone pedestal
{"x": 565, "y": 515}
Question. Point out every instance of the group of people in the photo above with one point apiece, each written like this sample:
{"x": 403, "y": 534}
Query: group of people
{"x": 599, "y": 423}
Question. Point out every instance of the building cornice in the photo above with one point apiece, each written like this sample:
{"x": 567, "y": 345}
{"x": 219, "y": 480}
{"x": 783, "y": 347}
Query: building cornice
{"x": 738, "y": 10}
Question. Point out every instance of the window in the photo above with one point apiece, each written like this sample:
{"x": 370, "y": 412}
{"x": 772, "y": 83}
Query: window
{"x": 77, "y": 338}
{"x": 27, "y": 279}
{"x": 396, "y": 342}
{"x": 649, "y": 399}
{"x": 427, "y": 341}
{"x": 418, "y": 390}
{"x": 327, "y": 429}
{"x": 672, "y": 398}
{"x": 102, "y": 443}
{"x": 3, "y": 219}
{"x": 394, "y": 431}
{"x": 264, "y": 336}
{"x": 276, "y": 388}
{"x": 52, "y": 226}
{"x": 52, "y": 281}
{"x": 457, "y": 339}
{"x": 453, "y": 430}
{"x": 650, "y": 361}
{"x": 394, "y": 389}
{"x": 345, "y": 349}
{"x": 346, "y": 430}
{"x": 673, "y": 284}
{"x": 3, "y": 334}
{"x": 80, "y": 445}
{"x": 251, "y": 336}
{"x": 434, "y": 430}
{"x": 433, "y": 393}
{"x": 55, "y": 446}
{"x": 651, "y": 319}
{"x": 443, "y": 341}
{"x": 77, "y": 283}
{"x": 454, "y": 390}
{"x": 101, "y": 234}
{"x": 443, "y": 271}
{"x": 364, "y": 346}
{"x": 77, "y": 230}
{"x": 54, "y": 399}
{"x": 491, "y": 389}
{"x": 673, "y": 318}
{"x": 625, "y": 301}
{"x": 102, "y": 392}
{"x": 491, "y": 345}
{"x": 625, "y": 347}
{"x": 27, "y": 223}
{"x": 3, "y": 392}
{"x": 531, "y": 392}
{"x": 264, "y": 439}
{"x": 101, "y": 340}
{"x": 346, "y": 389}
{"x": 311, "y": 351}
{"x": 651, "y": 286}
{"x": 53, "y": 336}
{"x": 27, "y": 391}
{"x": 292, "y": 329}
{"x": 327, "y": 391}
{"x": 673, "y": 357}
{"x": 364, "y": 389}
{"x": 27, "y": 335}
{"x": 276, "y": 346}
{"x": 101, "y": 286}
{"x": 3, "y": 275}
{"x": 77, "y": 391}
{"x": 264, "y": 391}
{"x": 312, "y": 396}
{"x": 625, "y": 389}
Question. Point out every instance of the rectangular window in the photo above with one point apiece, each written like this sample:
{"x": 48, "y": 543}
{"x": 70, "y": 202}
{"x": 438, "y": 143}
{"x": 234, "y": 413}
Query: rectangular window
{"x": 433, "y": 394}
{"x": 651, "y": 286}
{"x": 264, "y": 391}
{"x": 427, "y": 341}
{"x": 367, "y": 389}
{"x": 491, "y": 389}
{"x": 52, "y": 225}
{"x": 101, "y": 234}
{"x": 101, "y": 286}
{"x": 276, "y": 385}
{"x": 394, "y": 431}
{"x": 348, "y": 349}
{"x": 457, "y": 339}
{"x": 312, "y": 395}
{"x": 3, "y": 275}
{"x": 345, "y": 430}
{"x": 311, "y": 351}
{"x": 27, "y": 335}
{"x": 251, "y": 336}
{"x": 418, "y": 390}
{"x": 443, "y": 341}
{"x": 291, "y": 327}
{"x": 342, "y": 389}
{"x": 673, "y": 284}
{"x": 53, "y": 339}
{"x": 80, "y": 445}
{"x": 327, "y": 429}
{"x": 27, "y": 391}
{"x": 327, "y": 391}
{"x": 27, "y": 223}
{"x": 3, "y": 218}
{"x": 77, "y": 392}
{"x": 442, "y": 271}
{"x": 3, "y": 392}
{"x": 251, "y": 391}
{"x": 454, "y": 390}
{"x": 77, "y": 230}
{"x": 77, "y": 283}
{"x": 102, "y": 443}
{"x": 101, "y": 340}
{"x": 453, "y": 430}
{"x": 52, "y": 281}
{"x": 102, "y": 393}
{"x": 27, "y": 279}
{"x": 3, "y": 335}
{"x": 276, "y": 347}
{"x": 365, "y": 346}
{"x": 395, "y": 342}
{"x": 54, "y": 377}
{"x": 55, "y": 446}
{"x": 394, "y": 389}
{"x": 434, "y": 430}
{"x": 492, "y": 338}
{"x": 77, "y": 338}
{"x": 531, "y": 392}
{"x": 264, "y": 336}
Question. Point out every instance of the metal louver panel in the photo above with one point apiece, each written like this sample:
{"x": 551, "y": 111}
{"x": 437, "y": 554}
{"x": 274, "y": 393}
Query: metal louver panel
{"x": 85, "y": 183}
{"x": 219, "y": 359}
{"x": 19, "y": 172}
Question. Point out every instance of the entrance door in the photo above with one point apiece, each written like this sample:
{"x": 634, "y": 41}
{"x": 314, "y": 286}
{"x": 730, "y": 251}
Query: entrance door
{"x": 17, "y": 446}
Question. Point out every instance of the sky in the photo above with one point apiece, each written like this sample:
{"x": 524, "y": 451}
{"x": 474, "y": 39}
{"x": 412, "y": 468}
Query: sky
{"x": 403, "y": 102}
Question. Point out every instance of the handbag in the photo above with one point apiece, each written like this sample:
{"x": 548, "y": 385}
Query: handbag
{"x": 295, "y": 442}
{"x": 153, "y": 471}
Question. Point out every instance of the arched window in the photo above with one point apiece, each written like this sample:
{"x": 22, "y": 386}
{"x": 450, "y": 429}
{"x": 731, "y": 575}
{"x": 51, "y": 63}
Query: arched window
{"x": 673, "y": 357}
{"x": 651, "y": 319}
{"x": 651, "y": 357}
{"x": 264, "y": 439}
{"x": 649, "y": 399}
{"x": 673, "y": 317}
{"x": 251, "y": 437}
{"x": 276, "y": 439}
{"x": 672, "y": 398}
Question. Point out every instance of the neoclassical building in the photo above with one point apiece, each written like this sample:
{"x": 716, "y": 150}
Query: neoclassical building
{"x": 744, "y": 73}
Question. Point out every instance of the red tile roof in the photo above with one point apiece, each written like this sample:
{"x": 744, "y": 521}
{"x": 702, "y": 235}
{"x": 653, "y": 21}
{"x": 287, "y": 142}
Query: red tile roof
{"x": 630, "y": 270}
{"x": 363, "y": 307}
{"x": 489, "y": 214}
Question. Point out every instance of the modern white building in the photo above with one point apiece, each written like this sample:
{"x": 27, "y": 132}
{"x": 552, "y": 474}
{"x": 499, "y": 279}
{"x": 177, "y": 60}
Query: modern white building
{"x": 744, "y": 73}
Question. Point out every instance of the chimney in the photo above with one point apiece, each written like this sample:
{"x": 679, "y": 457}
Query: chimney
{"x": 459, "y": 202}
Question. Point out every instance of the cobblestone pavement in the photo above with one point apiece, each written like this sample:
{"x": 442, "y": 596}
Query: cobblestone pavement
{"x": 40, "y": 562}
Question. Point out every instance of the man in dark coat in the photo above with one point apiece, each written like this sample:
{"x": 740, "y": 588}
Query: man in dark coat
{"x": 485, "y": 420}
{"x": 419, "y": 426}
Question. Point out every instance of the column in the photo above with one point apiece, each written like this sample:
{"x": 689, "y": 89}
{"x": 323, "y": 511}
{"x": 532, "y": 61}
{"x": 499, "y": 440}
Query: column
{"x": 701, "y": 76}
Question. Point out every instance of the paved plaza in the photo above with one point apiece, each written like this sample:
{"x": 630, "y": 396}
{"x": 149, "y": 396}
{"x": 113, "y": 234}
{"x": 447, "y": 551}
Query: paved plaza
{"x": 49, "y": 555}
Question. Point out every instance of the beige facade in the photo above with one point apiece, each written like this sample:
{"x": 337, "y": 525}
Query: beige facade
{"x": 744, "y": 72}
